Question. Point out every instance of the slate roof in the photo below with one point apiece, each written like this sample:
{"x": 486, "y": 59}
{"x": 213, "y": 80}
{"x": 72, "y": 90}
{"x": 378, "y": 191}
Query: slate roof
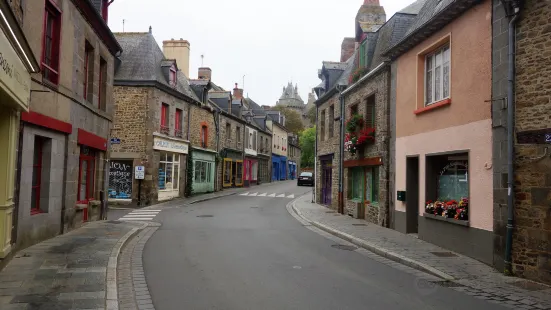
{"x": 142, "y": 61}
{"x": 345, "y": 76}
{"x": 257, "y": 109}
{"x": 389, "y": 34}
{"x": 413, "y": 8}
{"x": 433, "y": 15}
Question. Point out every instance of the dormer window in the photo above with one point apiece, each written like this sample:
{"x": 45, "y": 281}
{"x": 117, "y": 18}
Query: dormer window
{"x": 172, "y": 77}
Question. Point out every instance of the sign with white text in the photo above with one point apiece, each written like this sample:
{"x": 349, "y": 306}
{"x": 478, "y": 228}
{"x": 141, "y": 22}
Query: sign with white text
{"x": 139, "y": 172}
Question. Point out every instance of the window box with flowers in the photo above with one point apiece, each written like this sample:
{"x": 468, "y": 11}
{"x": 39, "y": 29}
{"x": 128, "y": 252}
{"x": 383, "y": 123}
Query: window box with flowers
{"x": 357, "y": 136}
{"x": 449, "y": 211}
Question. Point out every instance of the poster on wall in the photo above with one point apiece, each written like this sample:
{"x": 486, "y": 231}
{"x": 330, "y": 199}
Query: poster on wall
{"x": 120, "y": 179}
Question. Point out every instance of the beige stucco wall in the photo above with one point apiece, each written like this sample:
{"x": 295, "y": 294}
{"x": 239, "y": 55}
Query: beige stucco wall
{"x": 474, "y": 138}
{"x": 470, "y": 36}
{"x": 279, "y": 133}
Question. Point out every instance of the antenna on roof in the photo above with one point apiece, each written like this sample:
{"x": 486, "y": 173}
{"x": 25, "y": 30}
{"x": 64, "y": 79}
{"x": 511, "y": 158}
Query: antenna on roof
{"x": 243, "y": 81}
{"x": 124, "y": 20}
{"x": 202, "y": 59}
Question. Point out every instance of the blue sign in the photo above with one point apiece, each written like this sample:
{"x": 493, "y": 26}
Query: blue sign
{"x": 115, "y": 141}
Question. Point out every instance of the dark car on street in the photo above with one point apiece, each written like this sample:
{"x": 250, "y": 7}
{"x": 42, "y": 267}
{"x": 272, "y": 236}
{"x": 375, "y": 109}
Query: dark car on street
{"x": 305, "y": 178}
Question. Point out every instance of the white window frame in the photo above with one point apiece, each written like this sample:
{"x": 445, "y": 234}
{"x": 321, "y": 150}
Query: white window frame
{"x": 202, "y": 171}
{"x": 175, "y": 163}
{"x": 442, "y": 64}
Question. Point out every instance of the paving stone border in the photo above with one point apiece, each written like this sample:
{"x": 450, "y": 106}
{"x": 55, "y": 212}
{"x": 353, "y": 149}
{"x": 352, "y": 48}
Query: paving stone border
{"x": 133, "y": 292}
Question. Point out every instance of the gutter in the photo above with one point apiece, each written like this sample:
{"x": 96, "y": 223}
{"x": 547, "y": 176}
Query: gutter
{"x": 365, "y": 77}
{"x": 316, "y": 184}
{"x": 342, "y": 90}
{"x": 510, "y": 140}
{"x": 161, "y": 86}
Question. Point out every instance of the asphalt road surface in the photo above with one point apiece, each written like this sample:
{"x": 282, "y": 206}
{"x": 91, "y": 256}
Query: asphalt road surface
{"x": 243, "y": 252}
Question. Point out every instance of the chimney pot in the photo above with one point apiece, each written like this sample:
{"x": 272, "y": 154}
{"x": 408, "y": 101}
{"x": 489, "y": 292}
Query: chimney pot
{"x": 237, "y": 92}
{"x": 205, "y": 73}
{"x": 179, "y": 50}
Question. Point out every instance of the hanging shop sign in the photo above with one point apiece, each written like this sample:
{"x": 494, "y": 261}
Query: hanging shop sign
{"x": 170, "y": 145}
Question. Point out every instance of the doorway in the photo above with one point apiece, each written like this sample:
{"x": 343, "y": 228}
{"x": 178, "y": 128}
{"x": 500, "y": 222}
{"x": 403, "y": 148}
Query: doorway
{"x": 327, "y": 182}
{"x": 412, "y": 195}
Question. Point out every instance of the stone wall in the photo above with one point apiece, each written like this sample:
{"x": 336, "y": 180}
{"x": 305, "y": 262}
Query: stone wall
{"x": 202, "y": 116}
{"x": 532, "y": 237}
{"x": 130, "y": 119}
{"x": 377, "y": 86}
{"x": 17, "y": 9}
{"x": 327, "y": 146}
{"x": 228, "y": 140}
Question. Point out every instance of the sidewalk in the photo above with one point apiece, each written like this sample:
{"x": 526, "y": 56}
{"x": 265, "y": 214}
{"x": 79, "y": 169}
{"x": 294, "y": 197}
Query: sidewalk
{"x": 466, "y": 274}
{"x": 70, "y": 271}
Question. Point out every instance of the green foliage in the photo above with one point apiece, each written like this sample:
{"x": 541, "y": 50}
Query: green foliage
{"x": 307, "y": 145}
{"x": 293, "y": 120}
{"x": 312, "y": 115}
{"x": 189, "y": 181}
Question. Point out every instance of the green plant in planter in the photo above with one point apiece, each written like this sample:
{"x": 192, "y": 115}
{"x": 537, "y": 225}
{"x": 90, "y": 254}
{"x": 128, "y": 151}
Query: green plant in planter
{"x": 357, "y": 74}
{"x": 355, "y": 122}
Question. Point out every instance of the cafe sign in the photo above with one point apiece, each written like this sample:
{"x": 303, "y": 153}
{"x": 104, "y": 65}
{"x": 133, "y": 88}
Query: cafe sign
{"x": 14, "y": 77}
{"x": 170, "y": 145}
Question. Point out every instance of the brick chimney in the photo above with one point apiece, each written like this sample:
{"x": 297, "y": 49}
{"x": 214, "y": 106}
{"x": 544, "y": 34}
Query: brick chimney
{"x": 205, "y": 73}
{"x": 179, "y": 50}
{"x": 237, "y": 92}
{"x": 347, "y": 48}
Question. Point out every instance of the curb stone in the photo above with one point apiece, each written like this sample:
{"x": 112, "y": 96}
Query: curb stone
{"x": 377, "y": 250}
{"x": 112, "y": 300}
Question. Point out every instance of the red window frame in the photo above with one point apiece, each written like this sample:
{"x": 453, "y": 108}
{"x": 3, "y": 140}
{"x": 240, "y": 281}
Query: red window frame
{"x": 172, "y": 77}
{"x": 87, "y": 52}
{"x": 90, "y": 175}
{"x": 38, "y": 146}
{"x": 51, "y": 41}
{"x": 204, "y": 136}
{"x": 164, "y": 118}
{"x": 102, "y": 84}
{"x": 178, "y": 123}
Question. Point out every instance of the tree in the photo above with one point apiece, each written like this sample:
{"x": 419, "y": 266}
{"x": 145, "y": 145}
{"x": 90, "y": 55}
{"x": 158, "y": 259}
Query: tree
{"x": 312, "y": 115}
{"x": 293, "y": 120}
{"x": 307, "y": 145}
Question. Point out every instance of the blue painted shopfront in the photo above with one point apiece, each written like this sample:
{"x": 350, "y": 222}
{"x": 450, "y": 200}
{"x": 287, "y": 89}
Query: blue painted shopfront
{"x": 279, "y": 167}
{"x": 292, "y": 171}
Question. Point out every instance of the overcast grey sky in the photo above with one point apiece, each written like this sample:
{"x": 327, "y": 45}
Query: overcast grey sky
{"x": 271, "y": 42}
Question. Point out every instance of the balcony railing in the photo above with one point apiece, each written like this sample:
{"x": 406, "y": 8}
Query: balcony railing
{"x": 165, "y": 130}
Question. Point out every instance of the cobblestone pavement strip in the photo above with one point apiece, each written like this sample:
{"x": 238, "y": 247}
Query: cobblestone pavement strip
{"x": 410, "y": 254}
{"x": 69, "y": 271}
{"x": 133, "y": 292}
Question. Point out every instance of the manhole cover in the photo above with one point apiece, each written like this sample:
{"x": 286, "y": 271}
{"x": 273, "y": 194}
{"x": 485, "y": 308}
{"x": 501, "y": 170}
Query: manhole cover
{"x": 447, "y": 284}
{"x": 530, "y": 286}
{"x": 359, "y": 225}
{"x": 114, "y": 222}
{"x": 443, "y": 254}
{"x": 330, "y": 212}
{"x": 205, "y": 215}
{"x": 254, "y": 207}
{"x": 344, "y": 247}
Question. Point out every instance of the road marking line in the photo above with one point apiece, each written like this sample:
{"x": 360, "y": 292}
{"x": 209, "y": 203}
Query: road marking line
{"x": 262, "y": 195}
{"x": 272, "y": 195}
{"x": 253, "y": 194}
{"x": 149, "y": 213}
{"x": 147, "y": 210}
{"x": 244, "y": 194}
{"x": 280, "y": 196}
{"x": 291, "y": 196}
{"x": 136, "y": 219}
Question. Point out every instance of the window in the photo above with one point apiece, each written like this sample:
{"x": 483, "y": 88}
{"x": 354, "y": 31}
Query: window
{"x": 51, "y": 42}
{"x": 371, "y": 185}
{"x": 354, "y": 109}
{"x": 204, "y": 136}
{"x": 37, "y": 174}
{"x": 164, "y": 118}
{"x": 363, "y": 184}
{"x": 370, "y": 111}
{"x": 87, "y": 163}
{"x": 227, "y": 177}
{"x": 250, "y": 140}
{"x": 254, "y": 171}
{"x": 363, "y": 54}
{"x": 239, "y": 173}
{"x": 355, "y": 183}
{"x": 331, "y": 121}
{"x": 202, "y": 171}
{"x": 437, "y": 75}
{"x": 254, "y": 140}
{"x": 172, "y": 77}
{"x": 178, "y": 123}
{"x": 102, "y": 101}
{"x": 238, "y": 135}
{"x": 228, "y": 132}
{"x": 261, "y": 144}
{"x": 88, "y": 92}
{"x": 169, "y": 171}
{"x": 322, "y": 126}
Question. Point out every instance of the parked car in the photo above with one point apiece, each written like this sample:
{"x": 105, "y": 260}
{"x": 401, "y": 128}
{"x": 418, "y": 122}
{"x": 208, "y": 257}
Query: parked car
{"x": 305, "y": 178}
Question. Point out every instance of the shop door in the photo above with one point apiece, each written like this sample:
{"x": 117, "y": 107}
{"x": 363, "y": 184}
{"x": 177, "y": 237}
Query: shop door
{"x": 239, "y": 173}
{"x": 275, "y": 171}
{"x": 86, "y": 175}
{"x": 412, "y": 195}
{"x": 327, "y": 180}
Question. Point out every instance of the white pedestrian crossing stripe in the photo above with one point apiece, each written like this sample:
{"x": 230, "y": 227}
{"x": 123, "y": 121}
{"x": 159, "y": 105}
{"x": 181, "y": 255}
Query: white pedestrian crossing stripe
{"x": 269, "y": 195}
{"x": 140, "y": 215}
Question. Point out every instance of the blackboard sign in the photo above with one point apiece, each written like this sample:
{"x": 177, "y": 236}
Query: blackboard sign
{"x": 120, "y": 179}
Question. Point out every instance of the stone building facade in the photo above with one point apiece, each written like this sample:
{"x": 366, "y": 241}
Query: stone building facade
{"x": 531, "y": 245}
{"x": 293, "y": 165}
{"x": 151, "y": 124}
{"x": 203, "y": 139}
{"x": 63, "y": 147}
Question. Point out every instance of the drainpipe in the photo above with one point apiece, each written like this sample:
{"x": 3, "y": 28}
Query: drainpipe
{"x": 341, "y": 149}
{"x": 216, "y": 118}
{"x": 316, "y": 160}
{"x": 510, "y": 140}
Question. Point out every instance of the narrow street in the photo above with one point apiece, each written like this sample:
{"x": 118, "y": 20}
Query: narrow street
{"x": 243, "y": 252}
